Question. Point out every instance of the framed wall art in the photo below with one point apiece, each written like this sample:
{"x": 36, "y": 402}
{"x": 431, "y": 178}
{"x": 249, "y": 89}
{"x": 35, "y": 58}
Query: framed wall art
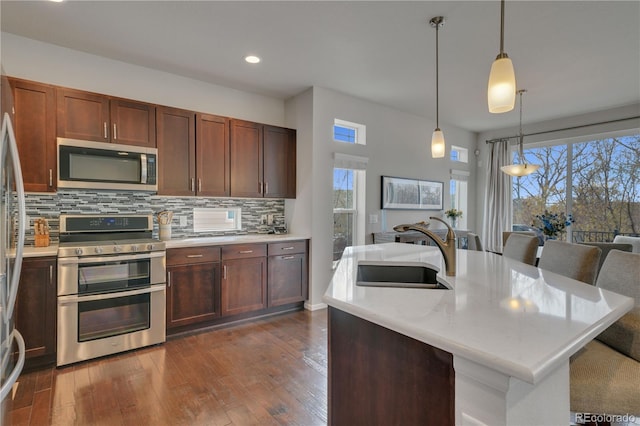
{"x": 411, "y": 194}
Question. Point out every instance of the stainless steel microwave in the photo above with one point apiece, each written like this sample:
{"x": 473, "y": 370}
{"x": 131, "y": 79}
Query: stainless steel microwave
{"x": 99, "y": 165}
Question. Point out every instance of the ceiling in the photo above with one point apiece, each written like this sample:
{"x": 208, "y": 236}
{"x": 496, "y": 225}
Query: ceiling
{"x": 573, "y": 57}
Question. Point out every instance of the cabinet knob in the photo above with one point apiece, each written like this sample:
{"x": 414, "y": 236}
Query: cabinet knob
{"x": 51, "y": 178}
{"x": 115, "y": 134}
{"x": 106, "y": 135}
{"x": 245, "y": 251}
{"x": 168, "y": 279}
{"x": 224, "y": 272}
{"x": 194, "y": 255}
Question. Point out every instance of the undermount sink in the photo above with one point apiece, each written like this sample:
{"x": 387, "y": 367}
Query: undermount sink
{"x": 399, "y": 274}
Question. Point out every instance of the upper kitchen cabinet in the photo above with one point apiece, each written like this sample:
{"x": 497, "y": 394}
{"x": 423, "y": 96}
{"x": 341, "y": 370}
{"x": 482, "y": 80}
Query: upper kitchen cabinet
{"x": 176, "y": 151}
{"x": 95, "y": 117}
{"x": 212, "y": 155}
{"x": 34, "y": 118}
{"x": 263, "y": 160}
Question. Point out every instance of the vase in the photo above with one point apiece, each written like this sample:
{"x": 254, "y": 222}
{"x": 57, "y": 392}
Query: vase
{"x": 452, "y": 221}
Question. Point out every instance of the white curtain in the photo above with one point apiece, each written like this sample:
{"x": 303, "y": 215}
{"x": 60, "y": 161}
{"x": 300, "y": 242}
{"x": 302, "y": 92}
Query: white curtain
{"x": 497, "y": 208}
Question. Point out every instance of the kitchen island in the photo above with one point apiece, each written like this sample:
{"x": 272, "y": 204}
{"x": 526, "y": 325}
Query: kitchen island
{"x": 494, "y": 349}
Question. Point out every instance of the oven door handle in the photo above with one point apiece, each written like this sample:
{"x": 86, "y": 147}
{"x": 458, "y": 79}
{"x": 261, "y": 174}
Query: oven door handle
{"x": 114, "y": 258}
{"x": 74, "y": 298}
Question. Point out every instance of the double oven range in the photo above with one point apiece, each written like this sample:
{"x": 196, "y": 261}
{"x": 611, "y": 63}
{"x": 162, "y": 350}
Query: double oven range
{"x": 111, "y": 286}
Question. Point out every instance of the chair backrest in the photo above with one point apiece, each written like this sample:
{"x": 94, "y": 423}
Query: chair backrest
{"x": 505, "y": 235}
{"x": 620, "y": 273}
{"x": 606, "y": 248}
{"x": 521, "y": 247}
{"x": 634, "y": 241}
{"x": 575, "y": 261}
{"x": 473, "y": 242}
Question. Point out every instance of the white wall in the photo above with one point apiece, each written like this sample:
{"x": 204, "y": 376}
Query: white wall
{"x": 47, "y": 63}
{"x": 561, "y": 123}
{"x": 398, "y": 144}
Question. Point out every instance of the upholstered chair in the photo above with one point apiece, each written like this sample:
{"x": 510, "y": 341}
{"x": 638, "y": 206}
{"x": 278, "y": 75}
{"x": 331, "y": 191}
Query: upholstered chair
{"x": 506, "y": 234}
{"x": 474, "y": 242}
{"x": 606, "y": 248}
{"x": 571, "y": 260}
{"x": 625, "y": 239}
{"x": 605, "y": 374}
{"x": 521, "y": 247}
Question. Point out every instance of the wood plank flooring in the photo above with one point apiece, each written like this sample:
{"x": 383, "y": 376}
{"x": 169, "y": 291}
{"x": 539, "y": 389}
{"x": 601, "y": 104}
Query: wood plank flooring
{"x": 269, "y": 371}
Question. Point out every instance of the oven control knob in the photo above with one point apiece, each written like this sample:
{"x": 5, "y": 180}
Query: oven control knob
{"x": 99, "y": 250}
{"x": 134, "y": 248}
{"x": 79, "y": 252}
{"x": 117, "y": 249}
{"x": 150, "y": 247}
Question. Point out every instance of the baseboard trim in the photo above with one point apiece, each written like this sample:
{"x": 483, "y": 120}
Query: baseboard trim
{"x": 316, "y": 307}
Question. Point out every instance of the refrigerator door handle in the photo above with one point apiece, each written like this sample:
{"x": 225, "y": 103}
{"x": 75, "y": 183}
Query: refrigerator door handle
{"x": 13, "y": 377}
{"x": 14, "y": 280}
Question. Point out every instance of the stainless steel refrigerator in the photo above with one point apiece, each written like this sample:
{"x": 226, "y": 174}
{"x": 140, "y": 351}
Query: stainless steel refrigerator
{"x": 12, "y": 229}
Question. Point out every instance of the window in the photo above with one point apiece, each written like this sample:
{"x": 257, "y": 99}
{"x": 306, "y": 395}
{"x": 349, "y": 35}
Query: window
{"x": 459, "y": 154}
{"x": 348, "y": 132}
{"x": 458, "y": 195}
{"x": 597, "y": 181}
{"x": 349, "y": 179}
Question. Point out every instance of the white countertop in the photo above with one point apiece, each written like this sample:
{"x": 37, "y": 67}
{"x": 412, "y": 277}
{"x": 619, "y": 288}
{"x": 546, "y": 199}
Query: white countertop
{"x": 509, "y": 316}
{"x": 233, "y": 239}
{"x": 31, "y": 251}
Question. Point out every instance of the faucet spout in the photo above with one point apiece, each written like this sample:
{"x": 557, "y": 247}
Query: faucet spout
{"x": 447, "y": 247}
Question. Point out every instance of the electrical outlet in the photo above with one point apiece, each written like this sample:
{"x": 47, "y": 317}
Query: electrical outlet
{"x": 373, "y": 218}
{"x": 269, "y": 219}
{"x": 183, "y": 221}
{"x": 263, "y": 219}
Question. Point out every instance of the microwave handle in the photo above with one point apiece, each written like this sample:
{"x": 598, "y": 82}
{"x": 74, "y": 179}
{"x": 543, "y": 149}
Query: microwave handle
{"x": 143, "y": 168}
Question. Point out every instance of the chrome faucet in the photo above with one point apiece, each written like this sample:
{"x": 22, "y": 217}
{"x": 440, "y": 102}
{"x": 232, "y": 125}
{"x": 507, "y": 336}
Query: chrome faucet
{"x": 448, "y": 247}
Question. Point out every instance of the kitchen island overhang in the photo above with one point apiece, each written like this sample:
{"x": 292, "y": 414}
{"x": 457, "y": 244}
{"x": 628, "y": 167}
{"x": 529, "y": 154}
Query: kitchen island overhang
{"x": 508, "y": 325}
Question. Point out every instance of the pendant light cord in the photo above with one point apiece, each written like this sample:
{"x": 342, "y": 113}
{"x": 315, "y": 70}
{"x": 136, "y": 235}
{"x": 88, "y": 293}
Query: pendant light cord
{"x": 521, "y": 143}
{"x": 501, "y": 28}
{"x": 437, "y": 81}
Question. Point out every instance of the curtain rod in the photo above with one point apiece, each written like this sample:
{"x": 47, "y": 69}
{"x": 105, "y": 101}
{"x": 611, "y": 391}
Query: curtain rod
{"x": 563, "y": 129}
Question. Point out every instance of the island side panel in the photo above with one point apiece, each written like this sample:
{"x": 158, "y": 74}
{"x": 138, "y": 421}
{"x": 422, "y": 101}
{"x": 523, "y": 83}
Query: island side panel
{"x": 380, "y": 377}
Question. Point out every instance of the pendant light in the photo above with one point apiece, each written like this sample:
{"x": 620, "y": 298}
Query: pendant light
{"x": 522, "y": 169}
{"x": 437, "y": 138}
{"x": 501, "y": 92}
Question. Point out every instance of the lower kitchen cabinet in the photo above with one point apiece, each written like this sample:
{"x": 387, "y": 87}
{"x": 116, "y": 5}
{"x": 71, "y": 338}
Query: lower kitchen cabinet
{"x": 244, "y": 278}
{"x": 35, "y": 311}
{"x": 288, "y": 276}
{"x": 193, "y": 286}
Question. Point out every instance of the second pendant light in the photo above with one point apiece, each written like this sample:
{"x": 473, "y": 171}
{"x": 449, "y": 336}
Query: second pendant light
{"x": 437, "y": 138}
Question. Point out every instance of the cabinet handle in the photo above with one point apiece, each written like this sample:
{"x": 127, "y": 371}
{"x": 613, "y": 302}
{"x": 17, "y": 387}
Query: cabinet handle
{"x": 194, "y": 255}
{"x": 105, "y": 130}
{"x": 245, "y": 251}
{"x": 115, "y": 134}
{"x": 266, "y": 188}
{"x": 168, "y": 279}
{"x": 224, "y": 272}
{"x": 199, "y": 185}
{"x": 51, "y": 178}
{"x": 51, "y": 273}
{"x": 288, "y": 257}
{"x": 288, "y": 248}
{"x": 193, "y": 185}
{"x": 259, "y": 187}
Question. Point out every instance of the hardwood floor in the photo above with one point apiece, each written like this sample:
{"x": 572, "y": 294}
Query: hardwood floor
{"x": 270, "y": 371}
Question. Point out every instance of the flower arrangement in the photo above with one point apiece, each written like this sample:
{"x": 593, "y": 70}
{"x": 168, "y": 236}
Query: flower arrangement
{"x": 453, "y": 213}
{"x": 552, "y": 224}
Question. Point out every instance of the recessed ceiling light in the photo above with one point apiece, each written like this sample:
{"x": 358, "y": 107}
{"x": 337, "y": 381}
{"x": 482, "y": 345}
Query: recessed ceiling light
{"x": 252, "y": 59}
{"x": 57, "y": 1}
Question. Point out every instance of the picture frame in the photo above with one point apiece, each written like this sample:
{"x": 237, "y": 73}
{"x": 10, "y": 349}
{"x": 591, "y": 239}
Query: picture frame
{"x": 411, "y": 194}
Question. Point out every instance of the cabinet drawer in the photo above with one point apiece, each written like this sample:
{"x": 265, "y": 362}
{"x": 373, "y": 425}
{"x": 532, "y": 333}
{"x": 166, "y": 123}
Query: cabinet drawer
{"x": 188, "y": 255}
{"x": 288, "y": 247}
{"x": 240, "y": 251}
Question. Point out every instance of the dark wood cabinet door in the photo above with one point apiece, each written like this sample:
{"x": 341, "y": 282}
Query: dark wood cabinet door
{"x": 176, "y": 151}
{"x": 212, "y": 155}
{"x": 133, "y": 123}
{"x": 245, "y": 144}
{"x": 34, "y": 121}
{"x": 193, "y": 293}
{"x": 35, "y": 311}
{"x": 243, "y": 285}
{"x": 279, "y": 162}
{"x": 83, "y": 115}
{"x": 287, "y": 279}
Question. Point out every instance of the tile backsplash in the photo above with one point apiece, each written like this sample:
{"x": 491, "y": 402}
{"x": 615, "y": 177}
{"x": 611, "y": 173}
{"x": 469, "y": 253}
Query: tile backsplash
{"x": 50, "y": 206}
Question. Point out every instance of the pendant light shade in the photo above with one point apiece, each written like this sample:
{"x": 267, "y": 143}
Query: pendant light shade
{"x": 522, "y": 169}
{"x": 437, "y": 144}
{"x": 501, "y": 91}
{"x": 437, "y": 138}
